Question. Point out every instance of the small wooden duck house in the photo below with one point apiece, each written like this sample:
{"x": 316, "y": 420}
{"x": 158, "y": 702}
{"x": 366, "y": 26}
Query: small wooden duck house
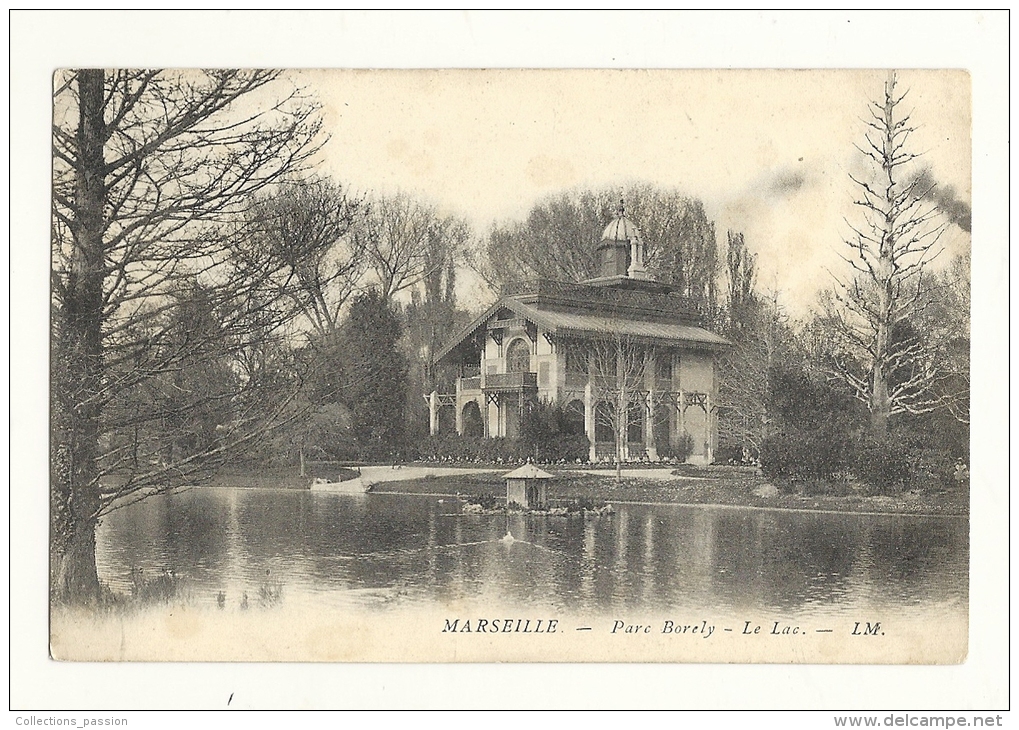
{"x": 528, "y": 487}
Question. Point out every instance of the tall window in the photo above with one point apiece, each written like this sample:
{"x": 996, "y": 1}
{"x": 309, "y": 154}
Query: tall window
{"x": 576, "y": 360}
{"x": 518, "y": 357}
{"x": 663, "y": 361}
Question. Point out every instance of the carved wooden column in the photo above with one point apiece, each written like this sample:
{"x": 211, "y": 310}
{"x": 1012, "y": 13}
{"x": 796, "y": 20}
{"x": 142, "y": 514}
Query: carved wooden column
{"x": 649, "y": 426}
{"x": 709, "y": 420}
{"x": 433, "y": 413}
{"x": 589, "y": 425}
{"x": 680, "y": 408}
{"x": 459, "y": 410}
{"x": 650, "y": 373}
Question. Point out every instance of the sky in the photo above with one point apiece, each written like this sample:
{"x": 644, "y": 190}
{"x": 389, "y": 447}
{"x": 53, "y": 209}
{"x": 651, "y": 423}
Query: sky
{"x": 768, "y": 152}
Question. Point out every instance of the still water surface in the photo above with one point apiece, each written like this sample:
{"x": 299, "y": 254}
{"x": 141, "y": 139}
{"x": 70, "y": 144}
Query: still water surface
{"x": 263, "y": 548}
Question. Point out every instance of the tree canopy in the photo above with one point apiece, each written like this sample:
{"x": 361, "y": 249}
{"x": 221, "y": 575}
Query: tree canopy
{"x": 558, "y": 239}
{"x": 149, "y": 169}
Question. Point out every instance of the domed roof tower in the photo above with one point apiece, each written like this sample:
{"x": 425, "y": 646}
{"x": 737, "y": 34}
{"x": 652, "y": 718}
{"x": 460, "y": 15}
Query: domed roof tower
{"x": 621, "y": 249}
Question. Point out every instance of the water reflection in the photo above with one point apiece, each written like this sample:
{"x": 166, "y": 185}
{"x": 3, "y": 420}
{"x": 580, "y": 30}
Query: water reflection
{"x": 226, "y": 545}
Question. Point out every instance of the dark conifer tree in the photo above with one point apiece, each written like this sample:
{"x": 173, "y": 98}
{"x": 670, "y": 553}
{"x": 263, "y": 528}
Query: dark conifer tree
{"x": 374, "y": 376}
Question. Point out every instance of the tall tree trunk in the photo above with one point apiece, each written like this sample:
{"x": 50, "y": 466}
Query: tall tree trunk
{"x": 77, "y": 383}
{"x": 880, "y": 403}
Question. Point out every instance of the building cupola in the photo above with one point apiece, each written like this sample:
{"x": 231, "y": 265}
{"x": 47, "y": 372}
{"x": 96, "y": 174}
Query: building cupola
{"x": 621, "y": 249}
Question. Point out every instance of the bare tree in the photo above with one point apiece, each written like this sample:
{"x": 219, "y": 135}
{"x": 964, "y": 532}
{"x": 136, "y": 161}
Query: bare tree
{"x": 741, "y": 270}
{"x": 945, "y": 323}
{"x": 619, "y": 367}
{"x": 758, "y": 328}
{"x": 761, "y": 339}
{"x": 303, "y": 230}
{"x": 407, "y": 242}
{"x": 886, "y": 362}
{"x": 556, "y": 241}
{"x": 149, "y": 169}
{"x": 559, "y": 238}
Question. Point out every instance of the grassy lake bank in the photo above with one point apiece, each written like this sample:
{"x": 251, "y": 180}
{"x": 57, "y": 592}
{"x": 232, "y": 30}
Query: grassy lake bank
{"x": 730, "y": 486}
{"x": 713, "y": 485}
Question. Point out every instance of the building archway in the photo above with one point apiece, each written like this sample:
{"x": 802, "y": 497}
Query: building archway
{"x": 473, "y": 425}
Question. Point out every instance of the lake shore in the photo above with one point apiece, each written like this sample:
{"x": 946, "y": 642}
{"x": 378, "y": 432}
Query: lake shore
{"x": 723, "y": 486}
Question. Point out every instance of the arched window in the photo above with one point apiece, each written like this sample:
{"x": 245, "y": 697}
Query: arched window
{"x": 518, "y": 357}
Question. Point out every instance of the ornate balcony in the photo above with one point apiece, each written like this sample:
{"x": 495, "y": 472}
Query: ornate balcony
{"x": 510, "y": 382}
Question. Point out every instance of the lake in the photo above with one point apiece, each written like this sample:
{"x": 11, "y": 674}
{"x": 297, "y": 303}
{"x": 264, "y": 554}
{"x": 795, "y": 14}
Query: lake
{"x": 239, "y": 548}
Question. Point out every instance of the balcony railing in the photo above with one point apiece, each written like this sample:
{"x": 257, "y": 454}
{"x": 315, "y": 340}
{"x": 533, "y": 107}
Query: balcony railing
{"x": 472, "y": 383}
{"x": 511, "y": 381}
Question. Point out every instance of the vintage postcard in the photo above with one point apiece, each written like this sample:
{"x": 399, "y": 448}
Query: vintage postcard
{"x": 510, "y": 366}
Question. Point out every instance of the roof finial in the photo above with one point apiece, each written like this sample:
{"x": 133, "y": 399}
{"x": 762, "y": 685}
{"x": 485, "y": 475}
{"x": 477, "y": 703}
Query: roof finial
{"x": 622, "y": 207}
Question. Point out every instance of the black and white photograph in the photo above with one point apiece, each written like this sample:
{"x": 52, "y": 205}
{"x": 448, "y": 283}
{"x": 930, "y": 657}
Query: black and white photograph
{"x": 456, "y": 365}
{"x": 480, "y": 358}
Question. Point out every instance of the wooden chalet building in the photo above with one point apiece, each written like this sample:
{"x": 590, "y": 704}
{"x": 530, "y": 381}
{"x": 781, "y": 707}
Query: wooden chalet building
{"x": 627, "y": 355}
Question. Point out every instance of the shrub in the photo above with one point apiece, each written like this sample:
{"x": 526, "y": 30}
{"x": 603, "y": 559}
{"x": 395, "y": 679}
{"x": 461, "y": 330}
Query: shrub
{"x": 451, "y": 447}
{"x": 800, "y": 454}
{"x": 729, "y": 454}
{"x": 549, "y": 433}
{"x": 680, "y": 451}
{"x": 817, "y": 421}
{"x": 931, "y": 469}
{"x": 901, "y": 461}
{"x": 780, "y": 456}
{"x": 881, "y": 464}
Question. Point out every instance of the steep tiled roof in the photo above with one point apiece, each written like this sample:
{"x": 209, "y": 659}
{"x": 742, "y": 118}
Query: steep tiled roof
{"x": 574, "y": 322}
{"x": 594, "y": 325}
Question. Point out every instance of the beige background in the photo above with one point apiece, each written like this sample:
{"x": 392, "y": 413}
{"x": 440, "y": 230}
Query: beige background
{"x": 767, "y": 151}
{"x": 42, "y": 42}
